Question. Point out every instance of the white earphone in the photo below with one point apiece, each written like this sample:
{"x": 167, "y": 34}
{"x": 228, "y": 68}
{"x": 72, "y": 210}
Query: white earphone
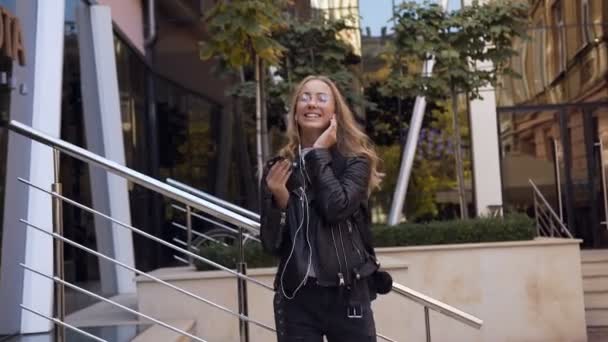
{"x": 305, "y": 217}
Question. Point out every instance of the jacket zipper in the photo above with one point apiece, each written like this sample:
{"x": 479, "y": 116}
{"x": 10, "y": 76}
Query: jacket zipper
{"x": 352, "y": 240}
{"x": 340, "y": 274}
{"x": 344, "y": 252}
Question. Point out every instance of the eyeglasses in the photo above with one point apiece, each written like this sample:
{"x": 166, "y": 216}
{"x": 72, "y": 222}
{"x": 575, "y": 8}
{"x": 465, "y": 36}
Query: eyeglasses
{"x": 322, "y": 98}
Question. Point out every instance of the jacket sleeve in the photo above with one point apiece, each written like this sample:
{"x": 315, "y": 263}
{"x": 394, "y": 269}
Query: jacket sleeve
{"x": 337, "y": 198}
{"x": 272, "y": 220}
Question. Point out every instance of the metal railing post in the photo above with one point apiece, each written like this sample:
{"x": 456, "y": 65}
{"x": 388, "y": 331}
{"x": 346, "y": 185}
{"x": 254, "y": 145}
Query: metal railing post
{"x": 427, "y": 323}
{"x": 558, "y": 180}
{"x": 242, "y": 290}
{"x": 59, "y": 307}
{"x": 536, "y": 213}
{"x": 603, "y": 171}
{"x": 189, "y": 233}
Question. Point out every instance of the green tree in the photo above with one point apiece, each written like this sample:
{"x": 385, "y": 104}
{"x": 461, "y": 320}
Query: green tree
{"x": 313, "y": 47}
{"x": 240, "y": 32}
{"x": 458, "y": 43}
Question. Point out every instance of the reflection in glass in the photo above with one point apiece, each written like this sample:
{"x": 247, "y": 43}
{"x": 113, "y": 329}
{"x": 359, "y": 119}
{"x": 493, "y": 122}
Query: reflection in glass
{"x": 5, "y": 97}
{"x": 528, "y": 152}
{"x": 9, "y": 5}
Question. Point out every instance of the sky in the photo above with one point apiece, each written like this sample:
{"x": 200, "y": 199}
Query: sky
{"x": 377, "y": 13}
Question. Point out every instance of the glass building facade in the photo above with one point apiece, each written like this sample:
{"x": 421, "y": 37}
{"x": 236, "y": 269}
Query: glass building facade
{"x": 169, "y": 131}
{"x": 5, "y": 101}
{"x": 553, "y": 120}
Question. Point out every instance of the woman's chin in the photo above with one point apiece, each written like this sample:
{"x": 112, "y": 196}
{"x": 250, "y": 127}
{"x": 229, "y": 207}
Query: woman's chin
{"x": 314, "y": 126}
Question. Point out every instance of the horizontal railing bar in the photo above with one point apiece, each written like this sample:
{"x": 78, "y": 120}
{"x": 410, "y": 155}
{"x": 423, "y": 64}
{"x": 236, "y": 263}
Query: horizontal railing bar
{"x": 149, "y": 276}
{"x": 549, "y": 222}
{"x": 207, "y": 237}
{"x": 438, "y": 306}
{"x": 221, "y": 225}
{"x": 134, "y": 176}
{"x": 152, "y": 237}
{"x": 544, "y": 222}
{"x": 96, "y": 296}
{"x": 386, "y": 338}
{"x": 201, "y": 217}
{"x": 184, "y": 243}
{"x": 213, "y": 199}
{"x": 548, "y": 206}
{"x": 194, "y": 232}
{"x": 69, "y": 326}
{"x": 178, "y": 258}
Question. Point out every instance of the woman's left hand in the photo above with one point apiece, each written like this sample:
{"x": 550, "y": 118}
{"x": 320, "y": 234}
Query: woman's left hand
{"x": 328, "y": 138}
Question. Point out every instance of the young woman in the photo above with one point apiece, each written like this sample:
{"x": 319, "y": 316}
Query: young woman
{"x": 315, "y": 218}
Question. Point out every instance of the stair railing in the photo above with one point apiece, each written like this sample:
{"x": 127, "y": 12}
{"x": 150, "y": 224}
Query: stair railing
{"x": 548, "y": 224}
{"x": 217, "y": 211}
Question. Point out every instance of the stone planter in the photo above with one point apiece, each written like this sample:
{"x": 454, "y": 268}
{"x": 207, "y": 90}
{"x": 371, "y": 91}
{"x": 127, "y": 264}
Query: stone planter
{"x": 524, "y": 291}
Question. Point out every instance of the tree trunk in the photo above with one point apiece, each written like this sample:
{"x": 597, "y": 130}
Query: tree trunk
{"x": 247, "y": 179}
{"x": 266, "y": 151}
{"x": 258, "y": 119}
{"x": 464, "y": 212}
{"x": 225, "y": 155}
{"x": 245, "y": 165}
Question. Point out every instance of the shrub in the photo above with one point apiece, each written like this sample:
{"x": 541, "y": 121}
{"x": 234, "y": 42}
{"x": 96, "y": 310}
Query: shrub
{"x": 513, "y": 227}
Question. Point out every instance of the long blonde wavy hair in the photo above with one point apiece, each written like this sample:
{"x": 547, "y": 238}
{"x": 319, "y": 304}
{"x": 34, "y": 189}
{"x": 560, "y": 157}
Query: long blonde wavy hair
{"x": 351, "y": 140}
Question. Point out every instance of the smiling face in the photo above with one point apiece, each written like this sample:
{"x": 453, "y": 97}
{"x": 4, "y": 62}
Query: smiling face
{"x": 315, "y": 106}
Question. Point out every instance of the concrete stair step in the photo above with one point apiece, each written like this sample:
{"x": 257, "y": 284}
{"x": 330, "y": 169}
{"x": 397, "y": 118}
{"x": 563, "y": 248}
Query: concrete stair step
{"x": 596, "y": 317}
{"x": 597, "y": 283}
{"x": 594, "y": 255}
{"x": 105, "y": 314}
{"x": 599, "y": 334}
{"x": 158, "y": 333}
{"x": 596, "y": 299}
{"x": 595, "y": 269}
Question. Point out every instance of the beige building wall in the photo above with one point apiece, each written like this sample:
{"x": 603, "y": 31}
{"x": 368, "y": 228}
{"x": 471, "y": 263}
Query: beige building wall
{"x": 523, "y": 291}
{"x": 343, "y": 9}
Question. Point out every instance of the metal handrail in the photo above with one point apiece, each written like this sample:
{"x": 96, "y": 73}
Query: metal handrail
{"x": 194, "y": 232}
{"x": 136, "y": 177}
{"x": 63, "y": 324}
{"x": 438, "y": 306}
{"x": 149, "y": 276}
{"x": 225, "y": 204}
{"x": 547, "y": 206}
{"x": 200, "y": 204}
{"x": 142, "y": 233}
{"x": 111, "y": 302}
{"x": 151, "y": 184}
{"x": 216, "y": 223}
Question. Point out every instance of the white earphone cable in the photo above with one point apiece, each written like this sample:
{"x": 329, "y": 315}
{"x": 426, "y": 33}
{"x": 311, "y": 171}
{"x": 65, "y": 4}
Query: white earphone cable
{"x": 305, "y": 217}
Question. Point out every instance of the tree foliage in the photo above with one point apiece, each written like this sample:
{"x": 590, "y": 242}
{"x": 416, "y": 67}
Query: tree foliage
{"x": 433, "y": 165}
{"x": 313, "y": 48}
{"x": 458, "y": 41}
{"x": 440, "y": 54}
{"x": 241, "y": 29}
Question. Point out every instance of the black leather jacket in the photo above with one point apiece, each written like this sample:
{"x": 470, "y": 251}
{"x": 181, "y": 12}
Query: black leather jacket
{"x": 343, "y": 238}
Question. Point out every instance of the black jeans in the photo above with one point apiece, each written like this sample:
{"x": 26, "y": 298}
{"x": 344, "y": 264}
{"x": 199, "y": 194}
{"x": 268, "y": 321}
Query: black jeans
{"x": 318, "y": 311}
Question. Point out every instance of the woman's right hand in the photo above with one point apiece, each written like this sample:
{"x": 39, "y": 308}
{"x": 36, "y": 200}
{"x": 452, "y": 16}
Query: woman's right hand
{"x": 276, "y": 181}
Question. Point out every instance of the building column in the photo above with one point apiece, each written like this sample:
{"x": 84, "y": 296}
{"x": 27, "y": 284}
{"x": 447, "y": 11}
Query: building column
{"x": 485, "y": 148}
{"x": 42, "y": 24}
{"x": 104, "y": 136}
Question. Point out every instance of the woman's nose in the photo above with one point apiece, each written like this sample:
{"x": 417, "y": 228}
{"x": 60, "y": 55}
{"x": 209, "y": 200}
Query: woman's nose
{"x": 312, "y": 103}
